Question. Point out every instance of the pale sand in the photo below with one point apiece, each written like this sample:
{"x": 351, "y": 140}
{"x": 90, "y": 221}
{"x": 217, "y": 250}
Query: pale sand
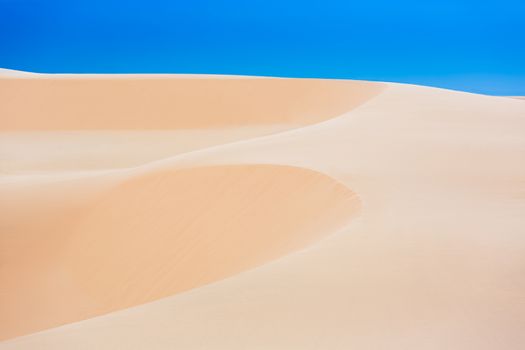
{"x": 155, "y": 235}
{"x": 58, "y": 184}
{"x": 433, "y": 260}
{"x": 46, "y": 102}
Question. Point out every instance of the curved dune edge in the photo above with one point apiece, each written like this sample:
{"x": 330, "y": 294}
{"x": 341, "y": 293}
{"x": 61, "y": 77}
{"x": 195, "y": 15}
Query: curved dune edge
{"x": 173, "y": 102}
{"x": 92, "y": 122}
{"x": 38, "y": 283}
{"x": 434, "y": 261}
{"x": 165, "y": 232}
{"x": 47, "y": 152}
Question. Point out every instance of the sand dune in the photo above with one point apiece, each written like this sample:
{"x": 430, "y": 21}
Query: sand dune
{"x": 112, "y": 121}
{"x": 44, "y": 102}
{"x": 327, "y": 214}
{"x": 66, "y": 182}
{"x": 158, "y": 234}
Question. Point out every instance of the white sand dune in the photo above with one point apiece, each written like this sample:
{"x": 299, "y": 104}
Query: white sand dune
{"x": 266, "y": 213}
{"x": 10, "y": 73}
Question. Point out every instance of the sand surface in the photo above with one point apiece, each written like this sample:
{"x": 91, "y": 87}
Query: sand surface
{"x": 258, "y": 213}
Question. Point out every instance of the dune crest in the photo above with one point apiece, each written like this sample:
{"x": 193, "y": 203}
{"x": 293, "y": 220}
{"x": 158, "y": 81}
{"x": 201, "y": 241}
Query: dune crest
{"x": 82, "y": 187}
{"x": 152, "y": 103}
{"x": 433, "y": 260}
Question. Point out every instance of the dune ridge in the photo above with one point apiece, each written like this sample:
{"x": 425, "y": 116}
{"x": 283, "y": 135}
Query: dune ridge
{"x": 417, "y": 194}
{"x": 152, "y": 103}
{"x": 158, "y": 234}
{"x": 68, "y": 189}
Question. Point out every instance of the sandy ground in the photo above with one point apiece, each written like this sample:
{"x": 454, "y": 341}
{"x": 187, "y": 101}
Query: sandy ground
{"x": 266, "y": 213}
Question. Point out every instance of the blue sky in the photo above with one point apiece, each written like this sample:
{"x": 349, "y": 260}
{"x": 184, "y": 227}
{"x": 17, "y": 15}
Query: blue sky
{"x": 476, "y": 46}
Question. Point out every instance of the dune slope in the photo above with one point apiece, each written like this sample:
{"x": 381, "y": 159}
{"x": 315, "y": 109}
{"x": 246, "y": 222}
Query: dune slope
{"x": 433, "y": 260}
{"x": 116, "y": 102}
{"x": 162, "y": 233}
{"x": 93, "y": 122}
{"x": 80, "y": 206}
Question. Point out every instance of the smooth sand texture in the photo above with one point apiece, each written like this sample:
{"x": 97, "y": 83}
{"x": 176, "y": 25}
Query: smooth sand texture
{"x": 66, "y": 192}
{"x": 44, "y": 102}
{"x": 158, "y": 234}
{"x": 411, "y": 206}
{"x": 29, "y": 152}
